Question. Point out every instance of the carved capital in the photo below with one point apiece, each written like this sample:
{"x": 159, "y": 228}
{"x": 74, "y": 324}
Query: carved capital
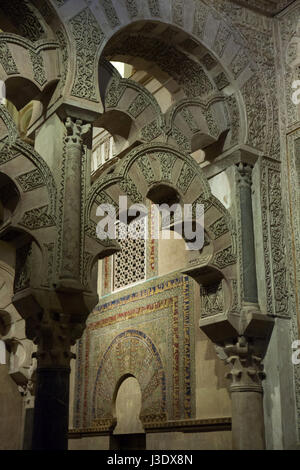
{"x": 245, "y": 174}
{"x": 28, "y": 393}
{"x": 54, "y": 336}
{"x": 246, "y": 372}
{"x": 76, "y": 131}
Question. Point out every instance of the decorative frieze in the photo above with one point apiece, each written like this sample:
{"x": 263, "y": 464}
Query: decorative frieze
{"x": 154, "y": 7}
{"x": 145, "y": 167}
{"x": 239, "y": 63}
{"x": 273, "y": 239}
{"x": 185, "y": 178}
{"x": 114, "y": 93}
{"x": 189, "y": 119}
{"x": 219, "y": 227}
{"x": 177, "y": 12}
{"x": 256, "y": 112}
{"x": 132, "y": 8}
{"x": 212, "y": 300}
{"x": 88, "y": 38}
{"x": 31, "y": 180}
{"x": 138, "y": 105}
{"x": 222, "y": 38}
{"x": 167, "y": 162}
{"x": 111, "y": 13}
{"x": 7, "y": 60}
{"x": 64, "y": 55}
{"x": 151, "y": 131}
{"x": 233, "y": 118}
{"x": 212, "y": 124}
{"x": 38, "y": 68}
{"x": 200, "y": 17}
{"x": 224, "y": 258}
{"x": 7, "y": 153}
{"x": 38, "y": 218}
{"x": 182, "y": 141}
{"x": 130, "y": 189}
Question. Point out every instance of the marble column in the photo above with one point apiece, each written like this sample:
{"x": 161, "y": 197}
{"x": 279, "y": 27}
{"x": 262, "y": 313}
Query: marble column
{"x": 54, "y": 337}
{"x": 71, "y": 243}
{"x": 51, "y": 412}
{"x": 247, "y": 231}
{"x": 246, "y": 392}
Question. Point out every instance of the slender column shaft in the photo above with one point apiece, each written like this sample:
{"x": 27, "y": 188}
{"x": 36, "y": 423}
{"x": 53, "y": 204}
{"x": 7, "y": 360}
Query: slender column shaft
{"x": 247, "y": 420}
{"x": 247, "y": 229}
{"x": 72, "y": 203}
{"x": 51, "y": 412}
{"x": 71, "y": 243}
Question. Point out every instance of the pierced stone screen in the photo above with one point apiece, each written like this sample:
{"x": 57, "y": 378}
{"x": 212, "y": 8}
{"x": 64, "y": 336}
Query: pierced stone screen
{"x": 130, "y": 262}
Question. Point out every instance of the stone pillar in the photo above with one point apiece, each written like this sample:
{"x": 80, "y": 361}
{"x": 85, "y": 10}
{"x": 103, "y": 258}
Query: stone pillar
{"x": 246, "y": 391}
{"x": 247, "y": 230}
{"x": 51, "y": 411}
{"x": 70, "y": 267}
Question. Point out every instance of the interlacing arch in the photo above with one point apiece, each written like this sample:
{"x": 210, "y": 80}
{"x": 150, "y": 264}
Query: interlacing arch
{"x": 28, "y": 198}
{"x": 216, "y": 52}
{"x": 155, "y": 171}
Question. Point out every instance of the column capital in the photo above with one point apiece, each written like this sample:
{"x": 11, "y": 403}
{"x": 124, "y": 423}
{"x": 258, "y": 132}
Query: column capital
{"x": 54, "y": 335}
{"x": 245, "y": 361}
{"x": 76, "y": 130}
{"x": 244, "y": 173}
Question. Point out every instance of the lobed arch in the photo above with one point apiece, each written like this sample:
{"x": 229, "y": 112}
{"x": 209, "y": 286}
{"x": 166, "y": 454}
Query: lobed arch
{"x": 221, "y": 48}
{"x": 190, "y": 124}
{"x": 21, "y": 60}
{"x": 155, "y": 171}
{"x": 30, "y": 223}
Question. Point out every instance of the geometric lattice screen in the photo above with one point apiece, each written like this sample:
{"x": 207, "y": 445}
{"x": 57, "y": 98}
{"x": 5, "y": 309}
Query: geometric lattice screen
{"x": 130, "y": 262}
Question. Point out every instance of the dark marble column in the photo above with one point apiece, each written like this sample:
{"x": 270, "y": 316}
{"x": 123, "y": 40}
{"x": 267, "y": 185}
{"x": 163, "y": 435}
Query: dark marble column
{"x": 51, "y": 412}
{"x": 247, "y": 229}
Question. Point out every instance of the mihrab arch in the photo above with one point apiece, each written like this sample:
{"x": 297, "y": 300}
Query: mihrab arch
{"x": 117, "y": 364}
